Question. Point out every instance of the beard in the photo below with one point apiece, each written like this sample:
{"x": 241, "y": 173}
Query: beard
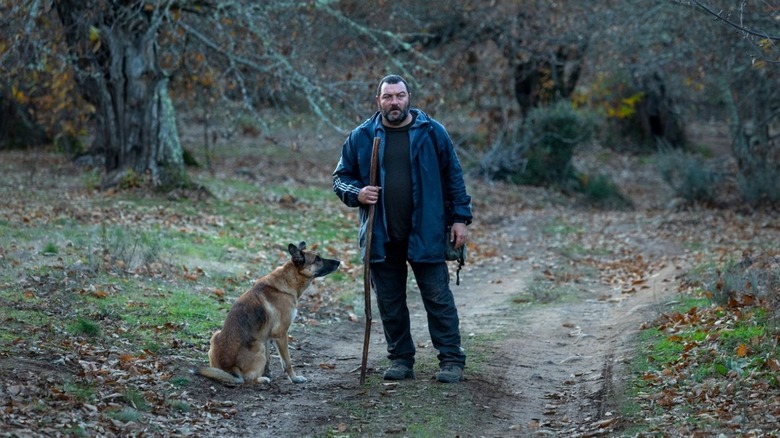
{"x": 396, "y": 120}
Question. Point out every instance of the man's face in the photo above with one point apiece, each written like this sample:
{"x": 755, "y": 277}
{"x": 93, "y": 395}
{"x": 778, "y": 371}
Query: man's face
{"x": 393, "y": 102}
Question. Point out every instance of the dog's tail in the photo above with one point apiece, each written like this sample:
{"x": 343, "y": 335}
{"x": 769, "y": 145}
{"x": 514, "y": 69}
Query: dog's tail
{"x": 220, "y": 376}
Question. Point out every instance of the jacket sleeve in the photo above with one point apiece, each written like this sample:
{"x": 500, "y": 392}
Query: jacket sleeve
{"x": 458, "y": 202}
{"x": 346, "y": 178}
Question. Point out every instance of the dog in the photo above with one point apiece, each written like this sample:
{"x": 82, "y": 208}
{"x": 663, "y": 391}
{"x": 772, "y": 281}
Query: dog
{"x": 239, "y": 352}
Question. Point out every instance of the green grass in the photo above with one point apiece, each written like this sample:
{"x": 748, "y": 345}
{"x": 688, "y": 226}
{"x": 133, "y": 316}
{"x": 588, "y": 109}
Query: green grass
{"x": 85, "y": 327}
{"x": 29, "y": 325}
{"x": 480, "y": 349}
{"x": 122, "y": 279}
{"x": 83, "y": 392}
{"x": 135, "y": 399}
{"x": 559, "y": 227}
{"x": 155, "y": 273}
{"x": 125, "y": 415}
{"x": 178, "y": 405}
{"x": 543, "y": 290}
{"x": 50, "y": 248}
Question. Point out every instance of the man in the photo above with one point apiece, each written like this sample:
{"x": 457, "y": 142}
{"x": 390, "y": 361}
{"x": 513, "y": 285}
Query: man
{"x": 419, "y": 193}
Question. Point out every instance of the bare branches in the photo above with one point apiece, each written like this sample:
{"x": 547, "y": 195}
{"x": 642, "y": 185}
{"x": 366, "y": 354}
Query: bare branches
{"x": 739, "y": 26}
{"x": 763, "y": 41}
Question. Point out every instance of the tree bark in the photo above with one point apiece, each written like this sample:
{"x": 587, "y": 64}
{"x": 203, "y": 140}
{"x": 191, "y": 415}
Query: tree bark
{"x": 118, "y": 72}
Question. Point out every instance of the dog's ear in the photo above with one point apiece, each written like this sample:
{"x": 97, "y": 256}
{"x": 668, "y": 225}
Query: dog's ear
{"x": 298, "y": 258}
{"x": 302, "y": 246}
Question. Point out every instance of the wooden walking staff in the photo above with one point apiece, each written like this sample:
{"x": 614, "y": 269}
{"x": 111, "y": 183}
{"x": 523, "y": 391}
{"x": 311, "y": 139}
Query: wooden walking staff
{"x": 367, "y": 261}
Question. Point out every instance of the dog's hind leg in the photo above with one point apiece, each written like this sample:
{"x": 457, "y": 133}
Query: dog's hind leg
{"x": 256, "y": 364}
{"x": 284, "y": 352}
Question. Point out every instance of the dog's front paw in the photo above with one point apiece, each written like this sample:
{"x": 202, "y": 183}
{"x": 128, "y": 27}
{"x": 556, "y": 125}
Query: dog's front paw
{"x": 298, "y": 379}
{"x": 262, "y": 379}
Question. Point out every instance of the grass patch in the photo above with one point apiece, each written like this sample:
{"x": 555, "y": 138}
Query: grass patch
{"x": 85, "y": 327}
{"x": 83, "y": 392}
{"x": 140, "y": 274}
{"x": 480, "y": 349}
{"x": 50, "y": 248}
{"x": 559, "y": 227}
{"x": 136, "y": 399}
{"x": 30, "y": 325}
{"x": 422, "y": 407}
{"x": 125, "y": 415}
{"x": 77, "y": 431}
{"x": 180, "y": 406}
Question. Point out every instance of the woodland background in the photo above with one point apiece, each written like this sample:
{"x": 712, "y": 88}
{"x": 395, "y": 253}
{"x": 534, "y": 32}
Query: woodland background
{"x": 155, "y": 152}
{"x": 118, "y": 80}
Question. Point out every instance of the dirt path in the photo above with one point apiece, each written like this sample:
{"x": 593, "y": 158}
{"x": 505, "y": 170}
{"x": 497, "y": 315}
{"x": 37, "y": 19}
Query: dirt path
{"x": 560, "y": 361}
{"x": 557, "y": 368}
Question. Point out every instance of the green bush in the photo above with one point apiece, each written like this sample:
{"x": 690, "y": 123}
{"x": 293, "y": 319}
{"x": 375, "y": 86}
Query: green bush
{"x": 688, "y": 176}
{"x": 600, "y": 191}
{"x": 541, "y": 150}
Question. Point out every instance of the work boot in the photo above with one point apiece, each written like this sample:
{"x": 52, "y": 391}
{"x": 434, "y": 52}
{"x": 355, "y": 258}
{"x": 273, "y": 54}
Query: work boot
{"x": 449, "y": 373}
{"x": 398, "y": 371}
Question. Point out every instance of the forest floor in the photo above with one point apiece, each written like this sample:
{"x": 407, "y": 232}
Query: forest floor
{"x": 551, "y": 300}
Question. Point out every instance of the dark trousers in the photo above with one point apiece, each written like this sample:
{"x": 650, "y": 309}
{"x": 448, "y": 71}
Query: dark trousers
{"x": 389, "y": 282}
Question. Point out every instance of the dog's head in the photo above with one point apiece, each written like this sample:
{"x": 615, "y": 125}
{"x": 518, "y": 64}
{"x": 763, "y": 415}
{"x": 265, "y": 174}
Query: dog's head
{"x": 309, "y": 263}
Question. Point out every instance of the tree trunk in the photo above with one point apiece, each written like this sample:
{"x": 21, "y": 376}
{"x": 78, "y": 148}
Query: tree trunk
{"x": 119, "y": 74}
{"x": 139, "y": 136}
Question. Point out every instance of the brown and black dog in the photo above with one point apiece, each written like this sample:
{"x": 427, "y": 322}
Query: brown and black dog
{"x": 239, "y": 352}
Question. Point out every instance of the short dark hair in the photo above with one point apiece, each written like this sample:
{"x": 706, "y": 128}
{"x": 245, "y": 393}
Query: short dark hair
{"x": 392, "y": 79}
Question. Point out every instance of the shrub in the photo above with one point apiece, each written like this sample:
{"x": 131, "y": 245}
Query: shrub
{"x": 689, "y": 177}
{"x": 600, "y": 191}
{"x": 540, "y": 152}
{"x": 759, "y": 187}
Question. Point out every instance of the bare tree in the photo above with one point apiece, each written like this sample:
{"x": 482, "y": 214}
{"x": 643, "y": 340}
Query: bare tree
{"x": 127, "y": 57}
{"x": 114, "y": 50}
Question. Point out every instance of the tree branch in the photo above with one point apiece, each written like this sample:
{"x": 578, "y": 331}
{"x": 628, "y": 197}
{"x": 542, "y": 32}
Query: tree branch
{"x": 737, "y": 26}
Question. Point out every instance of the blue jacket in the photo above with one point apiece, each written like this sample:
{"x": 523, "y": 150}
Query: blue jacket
{"x": 439, "y": 192}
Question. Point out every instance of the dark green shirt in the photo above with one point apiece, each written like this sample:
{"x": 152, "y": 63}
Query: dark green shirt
{"x": 398, "y": 183}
